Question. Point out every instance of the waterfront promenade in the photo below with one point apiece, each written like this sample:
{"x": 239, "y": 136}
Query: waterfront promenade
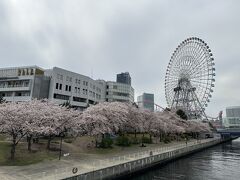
{"x": 89, "y": 162}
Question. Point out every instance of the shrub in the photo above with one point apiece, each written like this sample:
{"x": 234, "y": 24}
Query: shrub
{"x": 182, "y": 114}
{"x": 68, "y": 140}
{"x": 106, "y": 143}
{"x": 55, "y": 142}
{"x": 135, "y": 140}
{"x": 123, "y": 141}
{"x": 167, "y": 140}
{"x": 146, "y": 140}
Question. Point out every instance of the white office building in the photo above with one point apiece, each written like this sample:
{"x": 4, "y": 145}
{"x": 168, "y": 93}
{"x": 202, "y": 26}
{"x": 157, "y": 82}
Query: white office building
{"x": 77, "y": 89}
{"x": 23, "y": 83}
{"x": 60, "y": 86}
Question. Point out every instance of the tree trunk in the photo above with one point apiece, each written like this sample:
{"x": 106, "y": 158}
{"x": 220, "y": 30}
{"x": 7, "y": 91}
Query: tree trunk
{"x": 135, "y": 133}
{"x": 49, "y": 142}
{"x": 96, "y": 141}
{"x": 29, "y": 140}
{"x": 142, "y": 140}
{"x": 13, "y": 148}
{"x": 37, "y": 140}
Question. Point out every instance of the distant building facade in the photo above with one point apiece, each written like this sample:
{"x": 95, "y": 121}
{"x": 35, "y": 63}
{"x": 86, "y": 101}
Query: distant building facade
{"x": 124, "y": 78}
{"x": 60, "y": 86}
{"x": 79, "y": 90}
{"x": 146, "y": 101}
{"x": 119, "y": 92}
{"x": 23, "y": 83}
{"x": 232, "y": 119}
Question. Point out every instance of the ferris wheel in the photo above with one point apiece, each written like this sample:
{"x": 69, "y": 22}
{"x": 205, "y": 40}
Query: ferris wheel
{"x": 189, "y": 79}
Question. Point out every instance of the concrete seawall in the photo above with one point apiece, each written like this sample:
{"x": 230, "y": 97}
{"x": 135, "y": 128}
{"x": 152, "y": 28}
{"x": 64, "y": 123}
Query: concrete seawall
{"x": 154, "y": 158}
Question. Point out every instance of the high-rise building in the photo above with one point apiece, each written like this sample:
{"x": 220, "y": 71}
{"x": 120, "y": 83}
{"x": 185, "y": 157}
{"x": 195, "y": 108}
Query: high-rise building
{"x": 146, "y": 101}
{"x": 124, "y": 78}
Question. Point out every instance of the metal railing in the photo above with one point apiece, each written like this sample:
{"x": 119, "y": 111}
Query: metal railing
{"x": 98, "y": 164}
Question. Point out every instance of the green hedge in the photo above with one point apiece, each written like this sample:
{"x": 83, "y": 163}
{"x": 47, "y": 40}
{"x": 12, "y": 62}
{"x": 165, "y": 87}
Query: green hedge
{"x": 146, "y": 140}
{"x": 106, "y": 143}
{"x": 123, "y": 141}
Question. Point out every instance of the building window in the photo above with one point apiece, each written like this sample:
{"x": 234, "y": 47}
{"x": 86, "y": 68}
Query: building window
{"x": 66, "y": 88}
{"x": 85, "y": 91}
{"x": 114, "y": 87}
{"x": 59, "y": 76}
{"x": 75, "y": 89}
{"x": 70, "y": 79}
{"x": 69, "y": 88}
{"x": 90, "y": 102}
{"x": 107, "y": 86}
{"x": 79, "y": 81}
{"x": 79, "y": 90}
{"x": 56, "y": 85}
{"x": 78, "y": 99}
{"x": 60, "y": 96}
{"x": 60, "y": 86}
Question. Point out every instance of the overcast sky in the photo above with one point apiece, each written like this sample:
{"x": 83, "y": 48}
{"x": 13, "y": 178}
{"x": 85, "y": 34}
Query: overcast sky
{"x": 102, "y": 38}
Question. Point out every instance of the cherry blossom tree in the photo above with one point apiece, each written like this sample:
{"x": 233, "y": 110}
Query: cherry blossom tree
{"x": 34, "y": 118}
{"x": 13, "y": 122}
{"x": 56, "y": 120}
{"x": 105, "y": 118}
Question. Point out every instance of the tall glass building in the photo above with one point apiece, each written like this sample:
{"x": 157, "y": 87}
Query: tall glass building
{"x": 124, "y": 78}
{"x": 146, "y": 101}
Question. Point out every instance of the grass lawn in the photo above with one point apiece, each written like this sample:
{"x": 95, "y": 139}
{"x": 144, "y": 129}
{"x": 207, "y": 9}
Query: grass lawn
{"x": 2, "y": 137}
{"x": 22, "y": 156}
{"x": 77, "y": 147}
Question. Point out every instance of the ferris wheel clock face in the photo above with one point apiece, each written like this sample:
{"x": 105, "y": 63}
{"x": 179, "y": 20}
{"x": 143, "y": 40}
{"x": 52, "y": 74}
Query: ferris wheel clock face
{"x": 189, "y": 79}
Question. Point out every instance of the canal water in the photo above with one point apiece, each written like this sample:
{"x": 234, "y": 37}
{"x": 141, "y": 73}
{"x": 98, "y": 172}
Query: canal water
{"x": 221, "y": 162}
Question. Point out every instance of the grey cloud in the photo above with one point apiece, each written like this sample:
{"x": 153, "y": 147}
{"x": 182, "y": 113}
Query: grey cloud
{"x": 102, "y": 38}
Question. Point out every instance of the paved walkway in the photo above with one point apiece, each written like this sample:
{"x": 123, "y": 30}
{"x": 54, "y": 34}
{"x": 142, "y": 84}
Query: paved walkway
{"x": 56, "y": 169}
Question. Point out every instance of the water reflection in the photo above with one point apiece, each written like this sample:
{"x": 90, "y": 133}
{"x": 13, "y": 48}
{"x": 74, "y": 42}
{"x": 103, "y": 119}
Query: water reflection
{"x": 221, "y": 162}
